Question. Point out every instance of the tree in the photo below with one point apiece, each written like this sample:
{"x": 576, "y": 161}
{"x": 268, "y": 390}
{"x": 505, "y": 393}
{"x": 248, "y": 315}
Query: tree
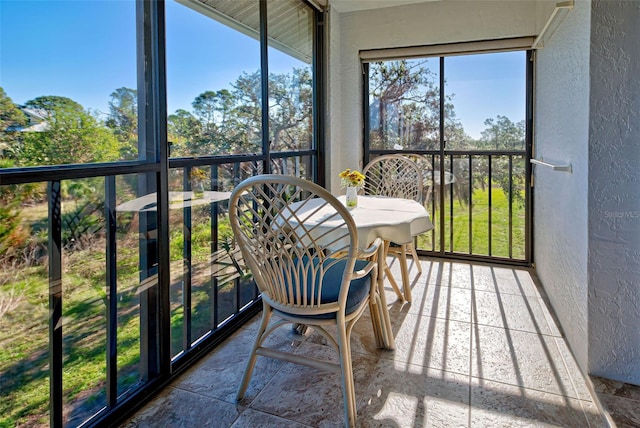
{"x": 123, "y": 120}
{"x": 218, "y": 127}
{"x": 73, "y": 135}
{"x": 248, "y": 94}
{"x": 290, "y": 110}
{"x": 183, "y": 130}
{"x": 502, "y": 134}
{"x": 10, "y": 116}
{"x": 405, "y": 107}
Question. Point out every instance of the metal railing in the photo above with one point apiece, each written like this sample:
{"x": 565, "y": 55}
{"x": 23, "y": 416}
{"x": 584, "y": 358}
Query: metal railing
{"x": 479, "y": 204}
{"x": 106, "y": 305}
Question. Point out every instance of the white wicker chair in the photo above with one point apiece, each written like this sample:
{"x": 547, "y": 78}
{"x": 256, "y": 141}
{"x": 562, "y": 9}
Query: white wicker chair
{"x": 397, "y": 177}
{"x": 309, "y": 272}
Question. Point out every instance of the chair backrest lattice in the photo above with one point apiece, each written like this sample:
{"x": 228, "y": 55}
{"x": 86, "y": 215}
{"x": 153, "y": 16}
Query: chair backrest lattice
{"x": 394, "y": 176}
{"x": 294, "y": 235}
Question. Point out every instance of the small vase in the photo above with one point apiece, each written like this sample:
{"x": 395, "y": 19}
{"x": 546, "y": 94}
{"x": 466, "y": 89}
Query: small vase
{"x": 198, "y": 191}
{"x": 352, "y": 197}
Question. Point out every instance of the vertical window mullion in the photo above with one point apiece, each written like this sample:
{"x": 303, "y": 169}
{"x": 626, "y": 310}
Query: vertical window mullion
{"x": 318, "y": 98}
{"x": 489, "y": 213}
{"x": 112, "y": 291}
{"x": 366, "y": 115}
{"x": 154, "y": 246}
{"x": 442, "y": 153}
{"x": 264, "y": 75}
{"x": 186, "y": 263}
{"x": 510, "y": 206}
{"x": 470, "y": 204}
{"x": 213, "y": 294}
{"x": 55, "y": 304}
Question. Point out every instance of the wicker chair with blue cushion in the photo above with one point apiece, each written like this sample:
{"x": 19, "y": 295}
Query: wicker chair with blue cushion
{"x": 396, "y": 176}
{"x": 308, "y": 272}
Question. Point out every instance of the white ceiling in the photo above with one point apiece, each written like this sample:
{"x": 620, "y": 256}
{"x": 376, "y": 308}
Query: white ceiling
{"x": 353, "y": 5}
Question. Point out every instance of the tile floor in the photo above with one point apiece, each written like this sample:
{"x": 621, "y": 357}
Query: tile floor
{"x": 621, "y": 401}
{"x": 477, "y": 347}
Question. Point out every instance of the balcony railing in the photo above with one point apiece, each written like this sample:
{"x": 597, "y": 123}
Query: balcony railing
{"x": 478, "y": 203}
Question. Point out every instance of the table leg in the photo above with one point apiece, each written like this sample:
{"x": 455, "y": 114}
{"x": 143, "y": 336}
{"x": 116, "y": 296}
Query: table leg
{"x": 383, "y": 311}
{"x": 405, "y": 273}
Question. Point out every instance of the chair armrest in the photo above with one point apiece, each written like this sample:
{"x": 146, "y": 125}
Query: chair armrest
{"x": 364, "y": 271}
{"x": 371, "y": 251}
{"x": 367, "y": 254}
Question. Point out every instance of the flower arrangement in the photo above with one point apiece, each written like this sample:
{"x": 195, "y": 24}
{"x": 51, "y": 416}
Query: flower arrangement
{"x": 349, "y": 178}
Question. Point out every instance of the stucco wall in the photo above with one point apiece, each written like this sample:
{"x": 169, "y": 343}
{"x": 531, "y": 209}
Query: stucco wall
{"x": 614, "y": 191}
{"x": 334, "y": 85}
{"x": 560, "y": 198}
{"x": 411, "y": 25}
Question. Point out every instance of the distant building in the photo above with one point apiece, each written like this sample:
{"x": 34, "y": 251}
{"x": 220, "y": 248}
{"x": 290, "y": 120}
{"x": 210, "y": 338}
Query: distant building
{"x": 36, "y": 121}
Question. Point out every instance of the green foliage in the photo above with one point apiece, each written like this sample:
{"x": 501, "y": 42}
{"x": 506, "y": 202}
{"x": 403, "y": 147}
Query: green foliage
{"x": 72, "y": 136}
{"x": 123, "y": 120}
{"x": 183, "y": 129}
{"x": 480, "y": 226}
{"x": 10, "y": 116}
{"x": 12, "y": 234}
{"x": 83, "y": 213}
{"x": 290, "y": 110}
{"x": 502, "y": 134}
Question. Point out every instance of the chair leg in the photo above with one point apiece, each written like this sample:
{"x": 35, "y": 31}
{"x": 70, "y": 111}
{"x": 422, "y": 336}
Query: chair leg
{"x": 348, "y": 387}
{"x": 266, "y": 316}
{"x": 388, "y": 273}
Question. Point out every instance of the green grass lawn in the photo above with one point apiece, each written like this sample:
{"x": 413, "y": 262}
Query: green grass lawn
{"x": 24, "y": 331}
{"x": 24, "y": 335}
{"x": 458, "y": 223}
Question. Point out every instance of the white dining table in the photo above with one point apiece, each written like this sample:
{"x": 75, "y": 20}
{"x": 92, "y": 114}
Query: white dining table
{"x": 148, "y": 202}
{"x": 391, "y": 219}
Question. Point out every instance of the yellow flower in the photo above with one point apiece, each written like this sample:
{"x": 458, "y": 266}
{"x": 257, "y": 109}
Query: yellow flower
{"x": 349, "y": 178}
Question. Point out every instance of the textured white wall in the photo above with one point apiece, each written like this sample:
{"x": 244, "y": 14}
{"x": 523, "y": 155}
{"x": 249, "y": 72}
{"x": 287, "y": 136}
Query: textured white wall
{"x": 411, "y": 25}
{"x": 561, "y": 199}
{"x": 334, "y": 85}
{"x": 614, "y": 191}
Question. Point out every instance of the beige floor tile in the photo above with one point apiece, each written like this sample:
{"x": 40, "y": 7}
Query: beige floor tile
{"x": 253, "y": 419}
{"x": 503, "y": 280}
{"x": 438, "y": 302}
{"x": 512, "y": 311}
{"x": 624, "y": 411}
{"x": 437, "y": 272}
{"x": 496, "y": 404}
{"x": 577, "y": 379}
{"x": 178, "y": 408}
{"x": 219, "y": 375}
{"x": 400, "y": 395}
{"x": 309, "y": 396}
{"x": 521, "y": 359}
{"x": 431, "y": 342}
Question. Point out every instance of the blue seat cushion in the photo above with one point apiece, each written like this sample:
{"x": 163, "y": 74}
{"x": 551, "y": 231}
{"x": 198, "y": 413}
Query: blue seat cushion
{"x": 358, "y": 290}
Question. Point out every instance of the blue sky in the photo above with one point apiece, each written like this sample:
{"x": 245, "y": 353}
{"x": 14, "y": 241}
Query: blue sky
{"x": 85, "y": 50}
